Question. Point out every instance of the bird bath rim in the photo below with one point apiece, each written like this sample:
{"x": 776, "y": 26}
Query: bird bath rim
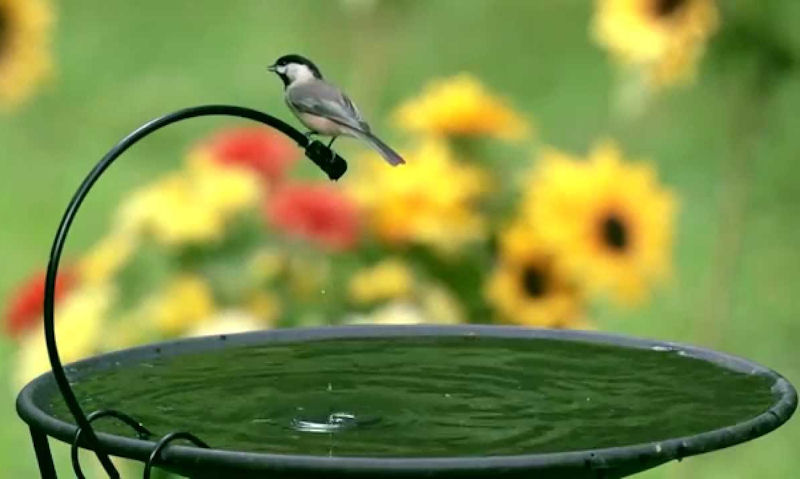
{"x": 632, "y": 458}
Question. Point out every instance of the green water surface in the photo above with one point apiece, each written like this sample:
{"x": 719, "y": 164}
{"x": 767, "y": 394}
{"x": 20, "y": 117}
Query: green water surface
{"x": 408, "y": 397}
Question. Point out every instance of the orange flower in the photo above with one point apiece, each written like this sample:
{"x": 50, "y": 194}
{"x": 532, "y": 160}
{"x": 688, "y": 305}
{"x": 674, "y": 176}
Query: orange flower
{"x": 316, "y": 212}
{"x": 27, "y": 302}
{"x": 257, "y": 148}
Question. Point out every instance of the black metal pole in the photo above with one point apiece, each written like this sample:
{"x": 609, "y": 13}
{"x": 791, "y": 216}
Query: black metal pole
{"x": 331, "y": 163}
{"x": 43, "y": 456}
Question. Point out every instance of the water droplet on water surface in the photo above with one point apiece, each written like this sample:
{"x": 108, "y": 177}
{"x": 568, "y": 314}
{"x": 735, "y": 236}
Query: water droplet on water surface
{"x": 336, "y": 421}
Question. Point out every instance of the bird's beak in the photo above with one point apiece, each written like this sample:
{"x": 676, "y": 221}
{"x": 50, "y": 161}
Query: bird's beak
{"x": 271, "y": 68}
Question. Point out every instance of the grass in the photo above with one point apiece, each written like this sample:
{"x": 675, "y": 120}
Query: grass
{"x": 737, "y": 268}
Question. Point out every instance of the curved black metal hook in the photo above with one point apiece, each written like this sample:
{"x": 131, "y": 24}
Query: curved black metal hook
{"x": 141, "y": 432}
{"x": 333, "y": 165}
{"x": 164, "y": 442}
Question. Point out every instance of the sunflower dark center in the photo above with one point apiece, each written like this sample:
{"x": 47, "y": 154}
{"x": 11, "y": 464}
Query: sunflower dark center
{"x": 534, "y": 280}
{"x": 615, "y": 233}
{"x": 666, "y": 8}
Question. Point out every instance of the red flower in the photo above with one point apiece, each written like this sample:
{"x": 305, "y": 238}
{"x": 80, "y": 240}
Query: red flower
{"x": 316, "y": 212}
{"x": 260, "y": 149}
{"x": 26, "y": 306}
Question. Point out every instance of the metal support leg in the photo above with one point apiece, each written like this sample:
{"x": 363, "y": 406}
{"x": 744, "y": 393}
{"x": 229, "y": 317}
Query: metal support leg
{"x": 43, "y": 455}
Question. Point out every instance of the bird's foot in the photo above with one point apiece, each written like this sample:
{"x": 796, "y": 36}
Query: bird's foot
{"x": 330, "y": 143}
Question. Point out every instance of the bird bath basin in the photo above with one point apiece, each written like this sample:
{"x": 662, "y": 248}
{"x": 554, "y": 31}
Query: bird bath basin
{"x": 467, "y": 401}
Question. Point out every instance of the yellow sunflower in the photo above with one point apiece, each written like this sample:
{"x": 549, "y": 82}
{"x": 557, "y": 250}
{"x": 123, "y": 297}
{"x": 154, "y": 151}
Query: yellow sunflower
{"x": 429, "y": 201}
{"x": 611, "y": 222}
{"x": 461, "y": 106}
{"x": 24, "y": 48}
{"x": 529, "y": 286}
{"x": 663, "y": 37}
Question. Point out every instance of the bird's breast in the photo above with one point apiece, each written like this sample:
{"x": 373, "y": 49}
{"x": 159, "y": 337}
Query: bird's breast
{"x": 322, "y": 125}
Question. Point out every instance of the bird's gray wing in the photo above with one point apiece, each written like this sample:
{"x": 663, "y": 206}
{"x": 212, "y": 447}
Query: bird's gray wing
{"x": 354, "y": 109}
{"x": 322, "y": 99}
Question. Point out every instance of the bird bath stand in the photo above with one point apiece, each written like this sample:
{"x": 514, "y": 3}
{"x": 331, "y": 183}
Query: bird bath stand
{"x": 393, "y": 401}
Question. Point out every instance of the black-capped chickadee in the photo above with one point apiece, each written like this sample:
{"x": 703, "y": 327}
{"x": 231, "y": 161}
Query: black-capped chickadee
{"x": 322, "y": 107}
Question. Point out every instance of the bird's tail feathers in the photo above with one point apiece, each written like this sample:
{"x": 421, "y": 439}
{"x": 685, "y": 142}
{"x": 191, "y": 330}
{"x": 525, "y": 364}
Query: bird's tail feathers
{"x": 388, "y": 154}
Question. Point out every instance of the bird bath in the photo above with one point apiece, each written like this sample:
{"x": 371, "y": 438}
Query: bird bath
{"x": 399, "y": 401}
{"x": 474, "y": 401}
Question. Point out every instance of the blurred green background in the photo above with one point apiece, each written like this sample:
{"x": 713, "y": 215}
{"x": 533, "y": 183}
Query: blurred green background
{"x": 727, "y": 144}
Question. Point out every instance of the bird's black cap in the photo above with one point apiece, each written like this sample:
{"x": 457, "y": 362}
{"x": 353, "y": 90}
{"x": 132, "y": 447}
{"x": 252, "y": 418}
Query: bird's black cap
{"x": 294, "y": 58}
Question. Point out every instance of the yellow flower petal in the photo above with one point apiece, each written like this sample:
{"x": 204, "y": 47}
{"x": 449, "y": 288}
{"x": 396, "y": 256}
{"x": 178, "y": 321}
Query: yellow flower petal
{"x": 266, "y": 264}
{"x": 227, "y": 322}
{"x": 431, "y": 200}
{"x": 191, "y": 205}
{"x": 396, "y": 313}
{"x": 25, "y": 31}
{"x": 461, "y": 106}
{"x": 106, "y": 258}
{"x": 184, "y": 303}
{"x": 78, "y": 327}
{"x": 389, "y": 279}
{"x": 663, "y": 38}
{"x": 440, "y": 306}
{"x": 266, "y": 307}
